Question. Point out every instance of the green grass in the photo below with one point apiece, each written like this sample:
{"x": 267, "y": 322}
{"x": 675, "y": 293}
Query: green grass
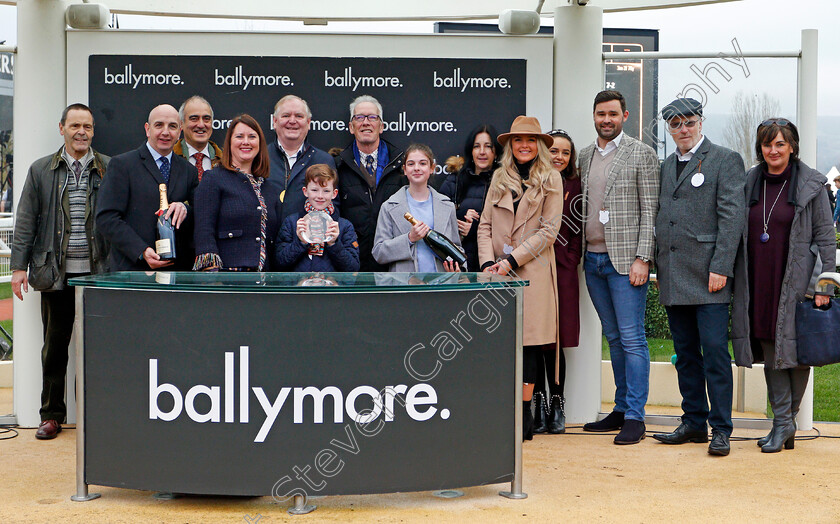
{"x": 826, "y": 379}
{"x": 661, "y": 349}
{"x": 826, "y": 393}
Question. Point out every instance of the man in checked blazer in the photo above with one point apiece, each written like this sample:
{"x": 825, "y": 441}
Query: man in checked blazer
{"x": 130, "y": 197}
{"x": 620, "y": 179}
{"x": 698, "y": 229}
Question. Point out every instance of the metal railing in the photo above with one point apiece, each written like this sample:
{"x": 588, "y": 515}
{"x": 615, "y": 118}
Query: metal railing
{"x": 7, "y": 228}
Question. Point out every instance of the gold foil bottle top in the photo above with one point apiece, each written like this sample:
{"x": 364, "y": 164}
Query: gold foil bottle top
{"x": 164, "y": 202}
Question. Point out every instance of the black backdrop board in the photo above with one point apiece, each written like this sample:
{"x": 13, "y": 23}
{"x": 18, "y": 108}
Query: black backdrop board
{"x": 193, "y": 341}
{"x": 431, "y": 100}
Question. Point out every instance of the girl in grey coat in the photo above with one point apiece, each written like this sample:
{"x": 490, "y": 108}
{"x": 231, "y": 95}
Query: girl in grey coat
{"x": 788, "y": 240}
{"x": 397, "y": 243}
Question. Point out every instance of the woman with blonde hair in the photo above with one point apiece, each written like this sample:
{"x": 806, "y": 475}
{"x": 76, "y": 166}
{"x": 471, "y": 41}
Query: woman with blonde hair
{"x": 516, "y": 234}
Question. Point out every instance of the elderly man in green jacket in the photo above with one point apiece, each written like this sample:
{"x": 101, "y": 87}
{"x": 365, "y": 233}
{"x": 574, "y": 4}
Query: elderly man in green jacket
{"x": 55, "y": 239}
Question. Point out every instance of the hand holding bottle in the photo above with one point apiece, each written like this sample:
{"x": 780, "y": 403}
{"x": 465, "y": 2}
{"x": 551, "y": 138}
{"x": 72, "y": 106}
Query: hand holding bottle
{"x": 451, "y": 266}
{"x": 153, "y": 259}
{"x": 442, "y": 247}
{"x": 177, "y": 212}
{"x": 418, "y": 231}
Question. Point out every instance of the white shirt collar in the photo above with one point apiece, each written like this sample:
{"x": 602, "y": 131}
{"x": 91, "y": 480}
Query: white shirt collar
{"x": 191, "y": 150}
{"x": 363, "y": 156}
{"x": 611, "y": 145}
{"x": 157, "y": 156}
{"x": 297, "y": 153}
{"x": 686, "y": 157}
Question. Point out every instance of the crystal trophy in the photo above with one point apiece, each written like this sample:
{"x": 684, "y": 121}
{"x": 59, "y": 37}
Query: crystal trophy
{"x": 317, "y": 223}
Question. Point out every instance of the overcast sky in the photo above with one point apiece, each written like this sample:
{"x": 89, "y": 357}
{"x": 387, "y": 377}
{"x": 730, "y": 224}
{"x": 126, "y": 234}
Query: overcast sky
{"x": 757, "y": 25}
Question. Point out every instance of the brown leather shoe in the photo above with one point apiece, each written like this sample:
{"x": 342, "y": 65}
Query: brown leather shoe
{"x": 48, "y": 429}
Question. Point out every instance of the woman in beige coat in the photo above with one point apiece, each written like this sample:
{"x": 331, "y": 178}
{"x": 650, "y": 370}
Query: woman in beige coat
{"x": 516, "y": 235}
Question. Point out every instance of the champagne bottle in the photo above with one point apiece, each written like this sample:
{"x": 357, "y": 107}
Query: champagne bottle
{"x": 442, "y": 247}
{"x": 165, "y": 244}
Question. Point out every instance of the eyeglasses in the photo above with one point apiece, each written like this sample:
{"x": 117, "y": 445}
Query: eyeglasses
{"x": 778, "y": 121}
{"x": 689, "y": 124}
{"x": 370, "y": 118}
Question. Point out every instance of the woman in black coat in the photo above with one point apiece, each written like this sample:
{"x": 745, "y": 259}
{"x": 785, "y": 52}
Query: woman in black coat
{"x": 237, "y": 216}
{"x": 467, "y": 183}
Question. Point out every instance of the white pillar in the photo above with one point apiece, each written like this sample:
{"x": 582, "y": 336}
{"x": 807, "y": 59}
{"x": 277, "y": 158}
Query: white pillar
{"x": 39, "y": 99}
{"x": 806, "y": 114}
{"x": 578, "y": 77}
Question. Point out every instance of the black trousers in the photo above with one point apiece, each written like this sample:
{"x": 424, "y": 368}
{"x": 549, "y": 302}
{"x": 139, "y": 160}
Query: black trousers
{"x": 58, "y": 310}
{"x": 538, "y": 361}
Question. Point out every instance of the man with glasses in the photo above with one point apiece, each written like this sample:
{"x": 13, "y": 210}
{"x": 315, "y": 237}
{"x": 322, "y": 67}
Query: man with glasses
{"x": 369, "y": 172}
{"x": 698, "y": 229}
{"x": 292, "y": 154}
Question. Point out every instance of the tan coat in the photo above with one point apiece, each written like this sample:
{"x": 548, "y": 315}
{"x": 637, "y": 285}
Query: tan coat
{"x": 531, "y": 233}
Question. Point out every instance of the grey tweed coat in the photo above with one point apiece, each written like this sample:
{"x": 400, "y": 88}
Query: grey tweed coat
{"x": 699, "y": 225}
{"x": 630, "y": 197}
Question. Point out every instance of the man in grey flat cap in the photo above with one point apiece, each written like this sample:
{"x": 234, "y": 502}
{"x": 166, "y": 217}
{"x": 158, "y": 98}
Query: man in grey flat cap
{"x": 698, "y": 228}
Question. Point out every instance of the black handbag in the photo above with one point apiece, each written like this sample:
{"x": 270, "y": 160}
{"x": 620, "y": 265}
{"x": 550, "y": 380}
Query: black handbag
{"x": 818, "y": 333}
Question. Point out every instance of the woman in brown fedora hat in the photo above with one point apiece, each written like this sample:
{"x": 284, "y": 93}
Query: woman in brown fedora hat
{"x": 516, "y": 234}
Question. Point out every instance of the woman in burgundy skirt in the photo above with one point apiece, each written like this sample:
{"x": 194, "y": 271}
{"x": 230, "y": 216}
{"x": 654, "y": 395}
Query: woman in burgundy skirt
{"x": 550, "y": 416}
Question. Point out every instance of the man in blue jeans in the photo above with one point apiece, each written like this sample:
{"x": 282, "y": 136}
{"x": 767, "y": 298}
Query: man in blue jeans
{"x": 698, "y": 229}
{"x": 620, "y": 179}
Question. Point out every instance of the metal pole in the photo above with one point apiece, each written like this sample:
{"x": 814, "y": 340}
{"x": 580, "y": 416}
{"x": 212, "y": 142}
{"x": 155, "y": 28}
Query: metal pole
{"x": 578, "y": 77}
{"x": 652, "y": 55}
{"x": 516, "y": 484}
{"x": 82, "y": 494}
{"x": 806, "y": 112}
{"x": 301, "y": 507}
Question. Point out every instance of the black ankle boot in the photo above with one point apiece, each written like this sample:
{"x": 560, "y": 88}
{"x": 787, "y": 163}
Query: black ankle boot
{"x": 527, "y": 421}
{"x": 557, "y": 415}
{"x": 540, "y": 413}
{"x": 766, "y": 438}
{"x": 782, "y": 436}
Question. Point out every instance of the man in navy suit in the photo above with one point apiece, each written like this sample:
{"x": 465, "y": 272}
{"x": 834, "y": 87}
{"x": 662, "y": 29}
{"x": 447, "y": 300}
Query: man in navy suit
{"x": 129, "y": 198}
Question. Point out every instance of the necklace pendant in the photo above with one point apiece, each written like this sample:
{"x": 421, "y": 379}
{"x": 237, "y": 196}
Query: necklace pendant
{"x": 764, "y": 238}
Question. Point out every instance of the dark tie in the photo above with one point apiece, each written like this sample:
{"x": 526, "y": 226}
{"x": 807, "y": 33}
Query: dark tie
{"x": 77, "y": 170}
{"x": 199, "y": 164}
{"x": 164, "y": 169}
{"x": 369, "y": 165}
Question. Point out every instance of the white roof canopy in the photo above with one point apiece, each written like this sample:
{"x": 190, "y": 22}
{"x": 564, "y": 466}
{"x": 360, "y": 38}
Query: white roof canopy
{"x": 367, "y": 10}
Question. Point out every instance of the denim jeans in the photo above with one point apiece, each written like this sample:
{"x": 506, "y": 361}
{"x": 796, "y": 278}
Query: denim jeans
{"x": 621, "y": 307}
{"x": 701, "y": 342}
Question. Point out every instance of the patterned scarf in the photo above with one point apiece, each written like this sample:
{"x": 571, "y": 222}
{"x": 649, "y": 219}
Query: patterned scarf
{"x": 256, "y": 183}
{"x": 317, "y": 249}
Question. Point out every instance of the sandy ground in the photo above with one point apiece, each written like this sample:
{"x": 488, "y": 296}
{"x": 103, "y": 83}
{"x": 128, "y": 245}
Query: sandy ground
{"x": 574, "y": 477}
